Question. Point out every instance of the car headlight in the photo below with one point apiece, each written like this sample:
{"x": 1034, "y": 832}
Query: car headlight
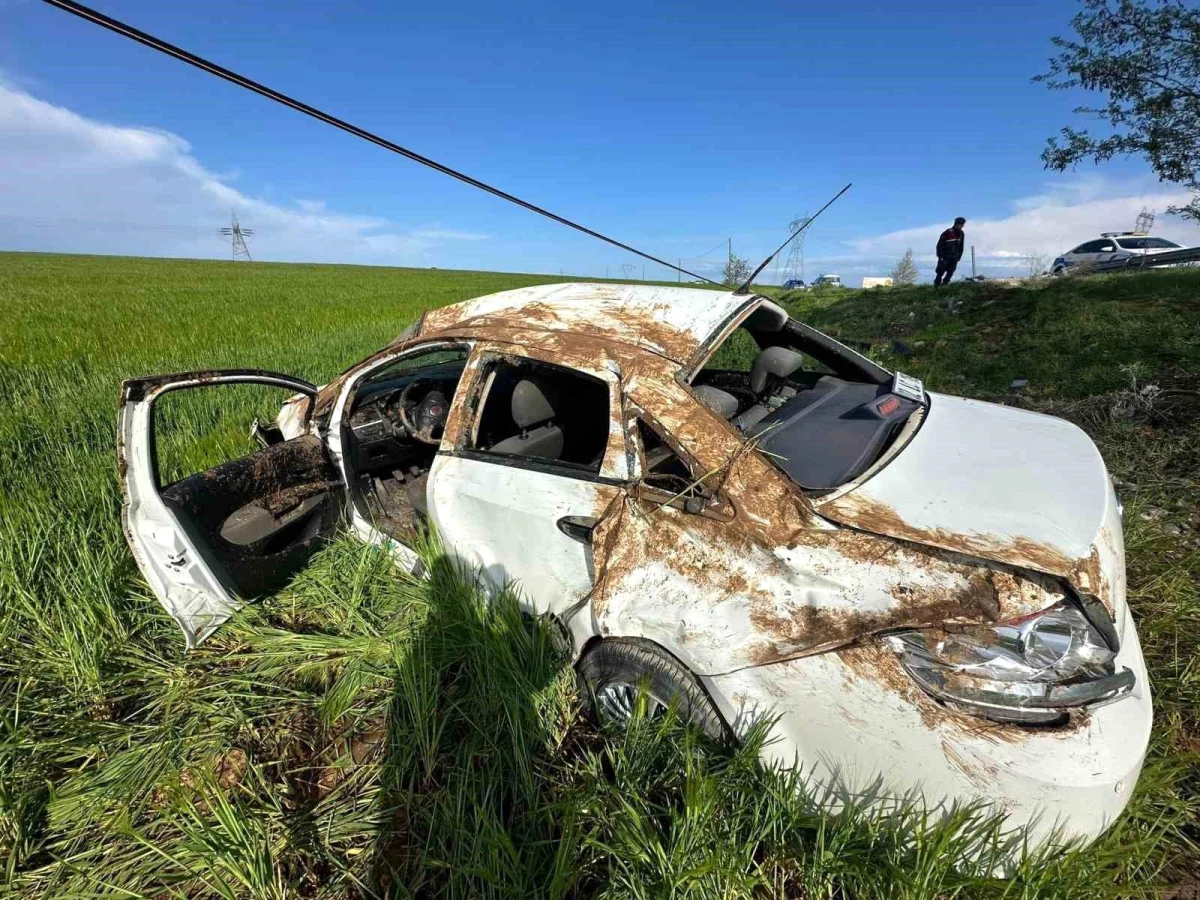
{"x": 1032, "y": 669}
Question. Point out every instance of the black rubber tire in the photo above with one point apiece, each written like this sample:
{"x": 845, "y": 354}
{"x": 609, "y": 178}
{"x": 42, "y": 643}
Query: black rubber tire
{"x": 635, "y": 661}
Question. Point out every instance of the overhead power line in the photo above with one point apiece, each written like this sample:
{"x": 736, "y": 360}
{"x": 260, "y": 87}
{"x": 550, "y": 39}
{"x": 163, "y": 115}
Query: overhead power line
{"x": 791, "y": 237}
{"x": 704, "y": 256}
{"x": 212, "y": 68}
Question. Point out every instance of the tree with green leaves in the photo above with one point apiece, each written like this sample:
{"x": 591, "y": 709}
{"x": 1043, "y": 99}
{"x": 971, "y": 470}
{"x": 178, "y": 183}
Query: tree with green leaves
{"x": 1145, "y": 56}
{"x": 737, "y": 270}
{"x": 905, "y": 271}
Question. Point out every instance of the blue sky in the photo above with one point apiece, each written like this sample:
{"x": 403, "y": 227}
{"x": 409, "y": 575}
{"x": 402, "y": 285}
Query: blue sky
{"x": 672, "y": 127}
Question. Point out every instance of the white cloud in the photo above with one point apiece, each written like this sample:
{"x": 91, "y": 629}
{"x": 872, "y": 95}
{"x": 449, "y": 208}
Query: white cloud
{"x": 71, "y": 183}
{"x": 1046, "y": 223}
{"x": 446, "y": 234}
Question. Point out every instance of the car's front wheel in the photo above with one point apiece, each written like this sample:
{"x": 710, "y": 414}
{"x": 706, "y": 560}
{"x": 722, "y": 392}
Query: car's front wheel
{"x": 612, "y": 672}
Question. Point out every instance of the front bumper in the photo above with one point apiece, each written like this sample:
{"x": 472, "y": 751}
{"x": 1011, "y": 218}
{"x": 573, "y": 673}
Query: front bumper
{"x": 860, "y": 725}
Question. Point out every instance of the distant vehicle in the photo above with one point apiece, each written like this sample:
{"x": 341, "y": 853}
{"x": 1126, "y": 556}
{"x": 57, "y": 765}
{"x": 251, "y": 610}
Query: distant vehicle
{"x": 827, "y": 281}
{"x": 1113, "y": 245}
{"x": 870, "y": 282}
{"x": 793, "y": 284}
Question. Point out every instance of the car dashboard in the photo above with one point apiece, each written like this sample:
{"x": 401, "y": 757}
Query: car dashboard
{"x": 379, "y": 438}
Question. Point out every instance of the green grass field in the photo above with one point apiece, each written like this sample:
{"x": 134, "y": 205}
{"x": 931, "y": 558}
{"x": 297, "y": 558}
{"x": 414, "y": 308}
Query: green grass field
{"x": 367, "y": 735}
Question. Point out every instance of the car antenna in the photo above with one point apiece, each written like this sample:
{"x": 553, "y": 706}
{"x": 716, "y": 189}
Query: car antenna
{"x": 212, "y": 68}
{"x": 791, "y": 237}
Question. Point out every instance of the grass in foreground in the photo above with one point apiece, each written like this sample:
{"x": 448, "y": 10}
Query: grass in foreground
{"x": 362, "y": 734}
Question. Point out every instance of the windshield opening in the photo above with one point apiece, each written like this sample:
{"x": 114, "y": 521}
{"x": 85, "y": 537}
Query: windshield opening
{"x": 818, "y": 410}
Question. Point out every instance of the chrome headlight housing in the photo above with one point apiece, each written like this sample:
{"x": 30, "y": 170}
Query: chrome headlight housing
{"x": 1033, "y": 669}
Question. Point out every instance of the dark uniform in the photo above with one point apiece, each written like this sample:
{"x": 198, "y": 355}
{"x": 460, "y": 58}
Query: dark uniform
{"x": 949, "y": 252}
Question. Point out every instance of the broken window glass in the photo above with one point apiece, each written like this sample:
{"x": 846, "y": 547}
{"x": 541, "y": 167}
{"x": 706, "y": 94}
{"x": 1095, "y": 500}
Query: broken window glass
{"x": 665, "y": 470}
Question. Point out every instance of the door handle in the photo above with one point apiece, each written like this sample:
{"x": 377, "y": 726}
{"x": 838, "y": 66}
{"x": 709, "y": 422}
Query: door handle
{"x": 578, "y": 528}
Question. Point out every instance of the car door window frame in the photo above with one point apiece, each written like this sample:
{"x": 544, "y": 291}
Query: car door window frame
{"x": 150, "y": 390}
{"x": 339, "y": 425}
{"x": 339, "y": 419}
{"x": 614, "y": 466}
{"x": 714, "y": 502}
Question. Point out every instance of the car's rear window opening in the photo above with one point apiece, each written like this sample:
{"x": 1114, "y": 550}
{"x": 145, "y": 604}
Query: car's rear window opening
{"x": 819, "y": 411}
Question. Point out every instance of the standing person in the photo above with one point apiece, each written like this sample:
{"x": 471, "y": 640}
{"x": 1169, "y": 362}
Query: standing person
{"x": 949, "y": 251}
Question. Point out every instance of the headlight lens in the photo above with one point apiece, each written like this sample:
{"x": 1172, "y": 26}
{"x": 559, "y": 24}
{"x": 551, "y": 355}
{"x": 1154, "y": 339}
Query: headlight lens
{"x": 1027, "y": 670}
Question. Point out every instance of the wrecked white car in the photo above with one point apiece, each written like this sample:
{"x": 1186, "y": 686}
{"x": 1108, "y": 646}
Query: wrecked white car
{"x": 714, "y": 500}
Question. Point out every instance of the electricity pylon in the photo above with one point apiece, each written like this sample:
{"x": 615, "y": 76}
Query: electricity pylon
{"x": 237, "y": 238}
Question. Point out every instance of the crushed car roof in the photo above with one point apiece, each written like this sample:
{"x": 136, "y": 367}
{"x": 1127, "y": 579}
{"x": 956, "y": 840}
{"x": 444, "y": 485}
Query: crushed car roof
{"x": 672, "y": 322}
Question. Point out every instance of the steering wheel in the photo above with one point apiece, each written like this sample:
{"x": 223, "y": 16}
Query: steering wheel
{"x": 428, "y": 419}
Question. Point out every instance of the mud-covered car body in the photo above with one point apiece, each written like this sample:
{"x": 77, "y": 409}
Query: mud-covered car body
{"x": 927, "y": 592}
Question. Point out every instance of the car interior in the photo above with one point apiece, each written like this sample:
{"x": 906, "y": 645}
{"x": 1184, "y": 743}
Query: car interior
{"x": 395, "y": 428}
{"x": 259, "y": 518}
{"x": 819, "y": 411}
{"x": 529, "y": 412}
{"x": 536, "y": 411}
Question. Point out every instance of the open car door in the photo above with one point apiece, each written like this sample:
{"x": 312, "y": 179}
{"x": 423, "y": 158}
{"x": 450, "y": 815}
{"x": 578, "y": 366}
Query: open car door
{"x": 236, "y": 531}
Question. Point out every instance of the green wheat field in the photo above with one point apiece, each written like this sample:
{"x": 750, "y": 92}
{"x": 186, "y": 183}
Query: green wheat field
{"x": 363, "y": 734}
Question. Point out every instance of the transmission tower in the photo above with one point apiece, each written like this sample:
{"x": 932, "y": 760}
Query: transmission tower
{"x": 795, "y": 261}
{"x": 237, "y": 238}
{"x": 1145, "y": 220}
{"x": 627, "y": 270}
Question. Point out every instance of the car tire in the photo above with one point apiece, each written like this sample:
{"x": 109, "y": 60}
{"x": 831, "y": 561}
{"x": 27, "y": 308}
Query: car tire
{"x": 612, "y": 671}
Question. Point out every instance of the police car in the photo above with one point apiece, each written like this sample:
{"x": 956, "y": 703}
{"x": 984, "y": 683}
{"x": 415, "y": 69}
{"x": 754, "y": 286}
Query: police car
{"x": 1113, "y": 245}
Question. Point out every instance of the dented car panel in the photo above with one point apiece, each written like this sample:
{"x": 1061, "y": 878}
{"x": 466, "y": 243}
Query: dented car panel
{"x": 862, "y": 731}
{"x": 780, "y": 600}
{"x": 933, "y": 494}
{"x": 733, "y": 602}
{"x": 492, "y": 517}
{"x": 670, "y": 322}
{"x": 774, "y": 581}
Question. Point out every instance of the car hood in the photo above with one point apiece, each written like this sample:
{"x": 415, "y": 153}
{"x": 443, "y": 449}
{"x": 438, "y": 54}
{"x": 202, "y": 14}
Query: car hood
{"x": 1002, "y": 484}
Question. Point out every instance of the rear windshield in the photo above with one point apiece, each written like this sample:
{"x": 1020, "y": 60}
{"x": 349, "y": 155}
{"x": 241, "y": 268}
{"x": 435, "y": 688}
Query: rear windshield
{"x": 1146, "y": 243}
